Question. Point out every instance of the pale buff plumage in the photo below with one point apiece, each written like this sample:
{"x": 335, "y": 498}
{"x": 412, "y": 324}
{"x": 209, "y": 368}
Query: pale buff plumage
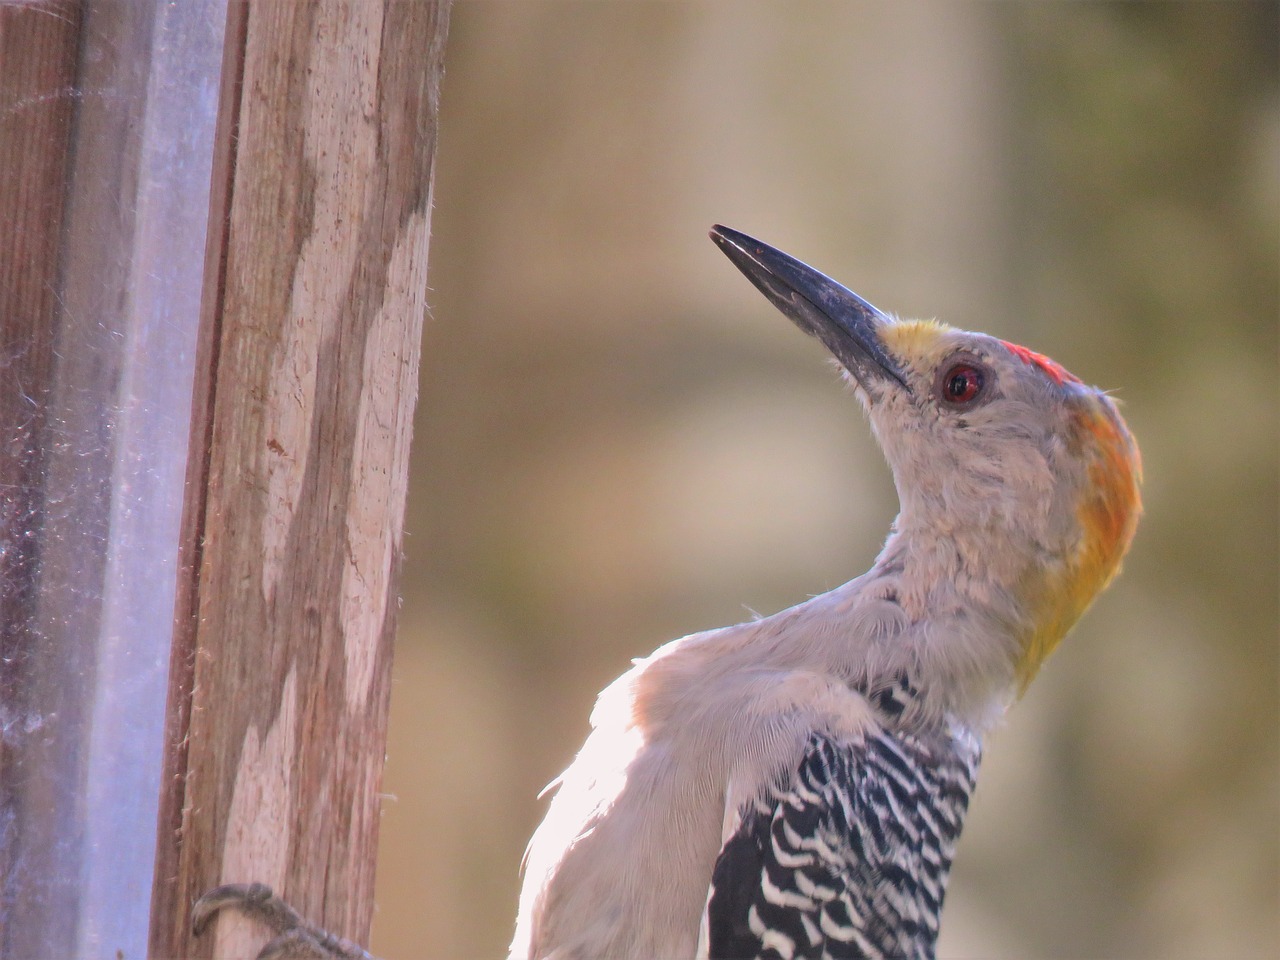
{"x": 1015, "y": 512}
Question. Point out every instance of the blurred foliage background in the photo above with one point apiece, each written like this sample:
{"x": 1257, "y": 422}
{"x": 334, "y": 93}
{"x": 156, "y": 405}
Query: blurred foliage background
{"x": 619, "y": 441}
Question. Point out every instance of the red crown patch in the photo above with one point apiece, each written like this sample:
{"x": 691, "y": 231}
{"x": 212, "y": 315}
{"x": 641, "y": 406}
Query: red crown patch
{"x": 1056, "y": 371}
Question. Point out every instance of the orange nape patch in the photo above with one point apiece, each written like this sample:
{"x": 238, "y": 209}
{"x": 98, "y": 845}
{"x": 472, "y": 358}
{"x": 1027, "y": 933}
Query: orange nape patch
{"x": 1111, "y": 509}
{"x": 1108, "y": 515}
{"x": 1056, "y": 371}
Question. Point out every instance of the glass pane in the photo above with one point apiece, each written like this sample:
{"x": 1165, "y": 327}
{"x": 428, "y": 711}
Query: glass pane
{"x": 83, "y": 714}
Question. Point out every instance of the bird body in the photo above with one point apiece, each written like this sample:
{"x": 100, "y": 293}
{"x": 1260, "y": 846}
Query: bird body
{"x": 795, "y": 785}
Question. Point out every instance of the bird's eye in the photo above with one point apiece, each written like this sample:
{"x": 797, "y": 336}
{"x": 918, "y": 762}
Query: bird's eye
{"x": 962, "y": 384}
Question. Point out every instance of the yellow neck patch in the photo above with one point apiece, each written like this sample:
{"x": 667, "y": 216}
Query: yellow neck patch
{"x": 1108, "y": 515}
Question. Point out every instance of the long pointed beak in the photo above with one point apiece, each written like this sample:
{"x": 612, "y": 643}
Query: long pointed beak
{"x": 847, "y": 324}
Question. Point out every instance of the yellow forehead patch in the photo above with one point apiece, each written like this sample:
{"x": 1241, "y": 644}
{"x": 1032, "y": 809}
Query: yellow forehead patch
{"x": 914, "y": 339}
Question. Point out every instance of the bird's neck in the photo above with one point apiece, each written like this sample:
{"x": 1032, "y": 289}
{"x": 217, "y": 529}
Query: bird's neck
{"x": 932, "y": 633}
{"x": 939, "y": 611}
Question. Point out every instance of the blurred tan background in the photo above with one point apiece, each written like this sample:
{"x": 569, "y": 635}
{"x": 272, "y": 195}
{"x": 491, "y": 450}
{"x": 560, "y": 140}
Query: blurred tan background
{"x": 619, "y": 441}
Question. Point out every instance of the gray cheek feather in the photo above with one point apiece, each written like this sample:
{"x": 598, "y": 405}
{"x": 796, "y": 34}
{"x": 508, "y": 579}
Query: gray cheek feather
{"x": 1000, "y": 465}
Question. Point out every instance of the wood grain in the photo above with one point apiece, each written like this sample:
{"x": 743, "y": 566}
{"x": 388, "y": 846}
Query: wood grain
{"x": 281, "y": 676}
{"x": 37, "y": 78}
{"x": 37, "y": 75}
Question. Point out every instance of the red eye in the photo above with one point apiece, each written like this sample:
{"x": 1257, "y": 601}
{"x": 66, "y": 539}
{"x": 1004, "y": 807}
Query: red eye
{"x": 962, "y": 383}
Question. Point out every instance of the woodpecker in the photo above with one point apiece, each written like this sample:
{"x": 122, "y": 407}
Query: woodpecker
{"x": 794, "y": 786}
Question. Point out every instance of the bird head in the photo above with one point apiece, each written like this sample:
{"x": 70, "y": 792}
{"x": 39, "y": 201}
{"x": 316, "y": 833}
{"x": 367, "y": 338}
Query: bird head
{"x": 1018, "y": 482}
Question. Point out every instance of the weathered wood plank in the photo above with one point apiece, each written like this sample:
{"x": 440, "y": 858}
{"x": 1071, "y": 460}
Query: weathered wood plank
{"x": 316, "y": 349}
{"x": 37, "y": 78}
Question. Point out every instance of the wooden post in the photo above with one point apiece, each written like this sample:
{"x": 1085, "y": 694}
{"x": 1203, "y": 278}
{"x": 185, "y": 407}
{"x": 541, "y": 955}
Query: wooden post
{"x": 37, "y": 56}
{"x": 314, "y": 302}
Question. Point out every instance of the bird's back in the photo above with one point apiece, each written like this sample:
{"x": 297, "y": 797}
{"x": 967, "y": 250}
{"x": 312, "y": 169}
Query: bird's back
{"x": 849, "y": 859}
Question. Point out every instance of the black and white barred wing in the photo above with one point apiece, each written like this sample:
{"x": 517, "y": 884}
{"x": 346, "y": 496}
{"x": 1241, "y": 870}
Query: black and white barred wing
{"x": 851, "y": 858}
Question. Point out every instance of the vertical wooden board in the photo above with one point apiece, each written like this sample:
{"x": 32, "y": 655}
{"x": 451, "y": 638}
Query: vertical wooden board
{"x": 168, "y": 911}
{"x": 37, "y": 75}
{"x": 37, "y": 78}
{"x": 317, "y": 355}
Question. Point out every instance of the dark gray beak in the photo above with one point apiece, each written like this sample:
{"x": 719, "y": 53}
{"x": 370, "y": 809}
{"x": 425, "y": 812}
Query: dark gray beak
{"x": 819, "y": 306}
